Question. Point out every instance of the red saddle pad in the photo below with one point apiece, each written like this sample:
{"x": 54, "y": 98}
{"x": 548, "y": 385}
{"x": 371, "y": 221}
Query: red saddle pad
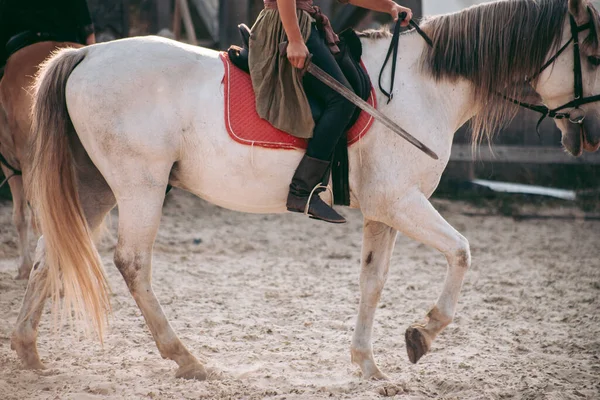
{"x": 245, "y": 126}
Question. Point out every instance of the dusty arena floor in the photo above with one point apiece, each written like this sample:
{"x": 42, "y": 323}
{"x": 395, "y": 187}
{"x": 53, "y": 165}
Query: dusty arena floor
{"x": 269, "y": 302}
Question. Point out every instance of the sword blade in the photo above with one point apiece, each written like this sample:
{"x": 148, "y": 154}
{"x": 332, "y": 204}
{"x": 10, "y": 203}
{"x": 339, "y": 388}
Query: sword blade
{"x": 366, "y": 107}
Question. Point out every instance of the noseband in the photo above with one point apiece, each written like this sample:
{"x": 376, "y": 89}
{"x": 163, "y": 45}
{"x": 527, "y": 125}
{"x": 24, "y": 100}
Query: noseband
{"x": 575, "y": 115}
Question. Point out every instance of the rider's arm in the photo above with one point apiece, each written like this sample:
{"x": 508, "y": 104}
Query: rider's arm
{"x": 296, "y": 50}
{"x": 386, "y": 6}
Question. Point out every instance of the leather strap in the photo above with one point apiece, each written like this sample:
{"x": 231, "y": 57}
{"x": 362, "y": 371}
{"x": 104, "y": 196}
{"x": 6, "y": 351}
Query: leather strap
{"x": 394, "y": 49}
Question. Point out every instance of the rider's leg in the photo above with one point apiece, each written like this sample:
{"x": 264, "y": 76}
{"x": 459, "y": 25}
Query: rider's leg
{"x": 328, "y": 130}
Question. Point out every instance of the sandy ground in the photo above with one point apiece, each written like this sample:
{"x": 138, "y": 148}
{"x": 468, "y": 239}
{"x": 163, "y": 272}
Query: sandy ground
{"x": 270, "y": 303}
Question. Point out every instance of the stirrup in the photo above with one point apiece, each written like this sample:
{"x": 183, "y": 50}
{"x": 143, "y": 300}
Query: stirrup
{"x": 319, "y": 186}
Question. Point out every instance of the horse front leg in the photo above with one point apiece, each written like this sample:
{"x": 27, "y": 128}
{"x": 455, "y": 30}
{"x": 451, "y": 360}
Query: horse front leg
{"x": 415, "y": 217}
{"x": 378, "y": 244}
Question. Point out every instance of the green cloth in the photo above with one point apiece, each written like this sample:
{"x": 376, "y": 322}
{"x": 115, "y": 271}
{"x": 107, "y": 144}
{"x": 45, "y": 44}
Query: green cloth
{"x": 280, "y": 97}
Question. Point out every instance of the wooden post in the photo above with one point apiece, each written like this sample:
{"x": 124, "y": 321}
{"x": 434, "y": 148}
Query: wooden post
{"x": 177, "y": 21}
{"x": 190, "y": 31}
{"x": 231, "y": 14}
{"x": 162, "y": 15}
{"x": 182, "y": 12}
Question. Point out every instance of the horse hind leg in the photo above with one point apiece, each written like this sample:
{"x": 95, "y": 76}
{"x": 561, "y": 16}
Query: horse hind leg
{"x": 416, "y": 218}
{"x": 21, "y": 223}
{"x": 140, "y": 210}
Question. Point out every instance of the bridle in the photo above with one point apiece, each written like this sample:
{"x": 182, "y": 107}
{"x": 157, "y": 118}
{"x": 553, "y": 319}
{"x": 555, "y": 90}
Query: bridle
{"x": 575, "y": 115}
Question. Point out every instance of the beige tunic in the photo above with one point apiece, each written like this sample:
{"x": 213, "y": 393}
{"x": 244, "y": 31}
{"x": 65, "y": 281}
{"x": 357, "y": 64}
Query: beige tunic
{"x": 280, "y": 97}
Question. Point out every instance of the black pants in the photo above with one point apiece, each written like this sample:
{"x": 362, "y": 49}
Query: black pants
{"x": 337, "y": 111}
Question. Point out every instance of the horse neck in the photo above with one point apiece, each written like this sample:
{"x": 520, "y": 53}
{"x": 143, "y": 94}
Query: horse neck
{"x": 431, "y": 111}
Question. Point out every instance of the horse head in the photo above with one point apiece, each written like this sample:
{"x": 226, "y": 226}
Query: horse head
{"x": 570, "y": 86}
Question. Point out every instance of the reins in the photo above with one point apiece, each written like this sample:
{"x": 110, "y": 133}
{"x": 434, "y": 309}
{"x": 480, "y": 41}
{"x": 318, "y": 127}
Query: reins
{"x": 555, "y": 113}
{"x": 394, "y": 49}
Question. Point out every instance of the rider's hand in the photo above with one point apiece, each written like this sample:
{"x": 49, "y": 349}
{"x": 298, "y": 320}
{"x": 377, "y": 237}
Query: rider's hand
{"x": 297, "y": 52}
{"x": 397, "y": 9}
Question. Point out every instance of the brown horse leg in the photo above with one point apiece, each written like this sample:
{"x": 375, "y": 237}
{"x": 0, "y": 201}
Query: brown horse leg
{"x": 24, "y": 337}
{"x": 139, "y": 218}
{"x": 97, "y": 200}
{"x": 20, "y": 220}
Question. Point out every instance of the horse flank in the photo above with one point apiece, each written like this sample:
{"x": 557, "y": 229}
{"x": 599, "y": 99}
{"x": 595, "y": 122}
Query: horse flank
{"x": 73, "y": 263}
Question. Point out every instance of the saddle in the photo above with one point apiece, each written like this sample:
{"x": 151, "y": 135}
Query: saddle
{"x": 349, "y": 61}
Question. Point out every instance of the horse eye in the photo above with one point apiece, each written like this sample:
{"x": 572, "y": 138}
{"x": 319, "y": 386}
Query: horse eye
{"x": 594, "y": 60}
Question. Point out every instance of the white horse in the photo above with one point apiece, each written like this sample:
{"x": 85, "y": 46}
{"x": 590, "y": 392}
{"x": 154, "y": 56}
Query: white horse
{"x": 116, "y": 123}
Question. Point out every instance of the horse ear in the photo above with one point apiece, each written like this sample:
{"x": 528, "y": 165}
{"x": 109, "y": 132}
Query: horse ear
{"x": 578, "y": 9}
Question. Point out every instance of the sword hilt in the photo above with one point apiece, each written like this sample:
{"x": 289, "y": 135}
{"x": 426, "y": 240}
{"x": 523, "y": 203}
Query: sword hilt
{"x": 283, "y": 51}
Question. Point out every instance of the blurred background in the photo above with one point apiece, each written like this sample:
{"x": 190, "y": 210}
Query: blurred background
{"x": 519, "y": 155}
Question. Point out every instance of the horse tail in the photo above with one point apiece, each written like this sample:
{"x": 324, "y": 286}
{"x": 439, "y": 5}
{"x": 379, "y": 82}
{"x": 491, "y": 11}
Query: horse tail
{"x": 72, "y": 260}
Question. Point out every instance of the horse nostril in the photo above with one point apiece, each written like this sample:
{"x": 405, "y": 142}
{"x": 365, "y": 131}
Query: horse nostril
{"x": 577, "y": 116}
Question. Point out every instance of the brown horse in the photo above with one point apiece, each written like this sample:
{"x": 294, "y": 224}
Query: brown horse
{"x": 15, "y": 125}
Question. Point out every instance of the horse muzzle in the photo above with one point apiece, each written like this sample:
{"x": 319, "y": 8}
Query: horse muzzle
{"x": 590, "y": 135}
{"x": 580, "y": 133}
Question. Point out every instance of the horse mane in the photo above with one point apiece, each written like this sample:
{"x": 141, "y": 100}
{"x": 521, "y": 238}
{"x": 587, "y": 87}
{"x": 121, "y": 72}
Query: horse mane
{"x": 381, "y": 33}
{"x": 477, "y": 44}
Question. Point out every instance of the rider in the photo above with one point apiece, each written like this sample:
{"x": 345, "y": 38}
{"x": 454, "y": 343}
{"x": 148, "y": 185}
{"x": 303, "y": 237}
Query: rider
{"x": 24, "y": 22}
{"x": 280, "y": 88}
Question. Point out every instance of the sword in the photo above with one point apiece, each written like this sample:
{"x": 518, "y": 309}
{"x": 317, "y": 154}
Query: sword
{"x": 360, "y": 103}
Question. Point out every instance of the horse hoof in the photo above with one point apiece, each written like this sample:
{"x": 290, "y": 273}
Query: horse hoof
{"x": 33, "y": 364}
{"x": 27, "y": 354}
{"x": 416, "y": 344}
{"x": 378, "y": 376}
{"x": 192, "y": 371}
{"x": 29, "y": 360}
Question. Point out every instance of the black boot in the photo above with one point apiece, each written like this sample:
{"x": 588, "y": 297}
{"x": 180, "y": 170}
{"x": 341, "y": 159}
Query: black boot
{"x": 308, "y": 175}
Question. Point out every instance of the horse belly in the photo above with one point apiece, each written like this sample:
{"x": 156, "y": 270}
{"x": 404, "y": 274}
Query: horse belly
{"x": 236, "y": 176}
